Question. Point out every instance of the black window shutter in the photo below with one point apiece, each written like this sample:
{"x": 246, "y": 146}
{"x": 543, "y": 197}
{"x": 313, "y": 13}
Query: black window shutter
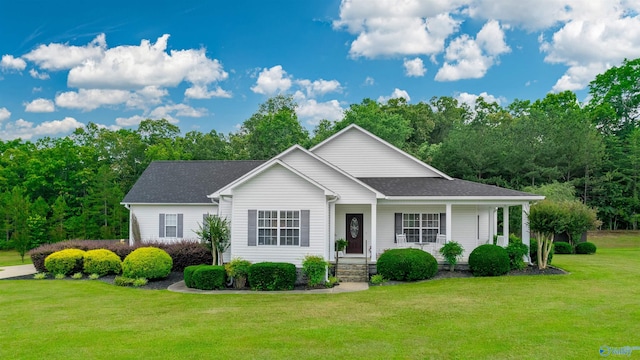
{"x": 252, "y": 231}
{"x": 161, "y": 222}
{"x": 443, "y": 223}
{"x": 180, "y": 226}
{"x": 398, "y": 226}
{"x": 304, "y": 228}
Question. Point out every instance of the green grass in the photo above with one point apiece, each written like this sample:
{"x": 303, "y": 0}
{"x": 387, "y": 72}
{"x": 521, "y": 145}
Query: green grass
{"x": 615, "y": 239}
{"x": 11, "y": 257}
{"x": 519, "y": 317}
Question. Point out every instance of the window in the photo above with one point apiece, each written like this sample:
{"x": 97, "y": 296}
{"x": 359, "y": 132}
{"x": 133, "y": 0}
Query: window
{"x": 279, "y": 227}
{"x": 421, "y": 228}
{"x": 171, "y": 225}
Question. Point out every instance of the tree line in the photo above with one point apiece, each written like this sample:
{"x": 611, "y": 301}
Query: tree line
{"x": 71, "y": 187}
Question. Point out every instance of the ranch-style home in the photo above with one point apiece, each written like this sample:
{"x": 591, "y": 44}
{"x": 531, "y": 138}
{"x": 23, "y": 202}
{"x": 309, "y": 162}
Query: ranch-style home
{"x": 353, "y": 186}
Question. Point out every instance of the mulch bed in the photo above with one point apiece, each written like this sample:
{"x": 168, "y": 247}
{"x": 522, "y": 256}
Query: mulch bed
{"x": 529, "y": 270}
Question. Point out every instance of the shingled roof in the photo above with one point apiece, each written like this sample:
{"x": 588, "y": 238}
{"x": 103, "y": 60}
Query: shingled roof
{"x": 431, "y": 186}
{"x": 186, "y": 182}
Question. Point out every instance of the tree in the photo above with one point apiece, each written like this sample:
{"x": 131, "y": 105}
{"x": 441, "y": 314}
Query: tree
{"x": 214, "y": 232}
{"x": 580, "y": 218}
{"x": 546, "y": 219}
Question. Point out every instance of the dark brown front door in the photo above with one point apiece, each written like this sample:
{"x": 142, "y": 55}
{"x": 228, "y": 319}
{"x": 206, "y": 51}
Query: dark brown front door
{"x": 354, "y": 227}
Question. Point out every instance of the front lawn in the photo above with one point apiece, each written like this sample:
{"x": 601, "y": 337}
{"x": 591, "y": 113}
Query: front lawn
{"x": 513, "y": 317}
{"x": 11, "y": 257}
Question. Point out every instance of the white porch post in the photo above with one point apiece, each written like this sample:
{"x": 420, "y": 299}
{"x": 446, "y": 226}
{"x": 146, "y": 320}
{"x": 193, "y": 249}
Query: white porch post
{"x": 505, "y": 225}
{"x": 495, "y": 223}
{"x": 332, "y": 230}
{"x": 448, "y": 225}
{"x": 526, "y": 231}
{"x": 374, "y": 227}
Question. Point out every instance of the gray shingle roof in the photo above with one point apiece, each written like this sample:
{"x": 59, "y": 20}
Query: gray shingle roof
{"x": 429, "y": 186}
{"x": 186, "y": 182}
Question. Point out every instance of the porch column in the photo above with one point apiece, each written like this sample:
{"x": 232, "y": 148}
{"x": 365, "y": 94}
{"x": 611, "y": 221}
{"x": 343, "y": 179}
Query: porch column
{"x": 495, "y": 224}
{"x": 526, "y": 231}
{"x": 332, "y": 231}
{"x": 374, "y": 227}
{"x": 505, "y": 224}
{"x": 448, "y": 225}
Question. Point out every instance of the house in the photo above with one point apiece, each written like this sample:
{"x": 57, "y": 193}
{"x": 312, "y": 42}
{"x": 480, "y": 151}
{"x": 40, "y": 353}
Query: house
{"x": 353, "y": 185}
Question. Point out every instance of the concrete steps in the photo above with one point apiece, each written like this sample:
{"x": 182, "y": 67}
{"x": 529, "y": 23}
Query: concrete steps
{"x": 352, "y": 272}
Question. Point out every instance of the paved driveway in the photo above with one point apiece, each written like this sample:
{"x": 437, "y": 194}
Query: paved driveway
{"x": 18, "y": 270}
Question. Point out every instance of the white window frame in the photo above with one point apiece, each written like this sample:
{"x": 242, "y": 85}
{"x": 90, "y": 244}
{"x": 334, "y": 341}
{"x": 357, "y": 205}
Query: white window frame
{"x": 171, "y": 222}
{"x": 421, "y": 228}
{"x": 281, "y": 230}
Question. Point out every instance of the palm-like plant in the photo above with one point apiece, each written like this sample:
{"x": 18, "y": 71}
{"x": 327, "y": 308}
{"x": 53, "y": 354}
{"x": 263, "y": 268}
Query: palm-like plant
{"x": 452, "y": 252}
{"x": 214, "y": 232}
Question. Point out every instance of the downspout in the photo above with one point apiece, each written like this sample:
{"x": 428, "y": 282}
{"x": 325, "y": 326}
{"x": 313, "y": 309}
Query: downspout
{"x": 329, "y": 202}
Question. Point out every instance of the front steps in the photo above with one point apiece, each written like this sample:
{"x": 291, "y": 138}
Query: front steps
{"x": 352, "y": 272}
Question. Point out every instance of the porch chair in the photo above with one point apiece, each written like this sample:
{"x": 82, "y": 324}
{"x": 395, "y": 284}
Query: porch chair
{"x": 401, "y": 240}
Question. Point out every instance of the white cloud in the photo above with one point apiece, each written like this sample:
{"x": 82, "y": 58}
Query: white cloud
{"x": 201, "y": 92}
{"x": 396, "y": 94}
{"x": 368, "y": 81}
{"x": 38, "y": 75}
{"x": 319, "y": 87}
{"x": 130, "y": 121}
{"x": 134, "y": 67}
{"x": 91, "y": 99}
{"x": 272, "y": 81}
{"x": 63, "y": 56}
{"x": 26, "y": 130}
{"x": 530, "y": 15}
{"x": 414, "y": 67}
{"x": 470, "y": 99}
{"x": 9, "y": 62}
{"x": 313, "y": 111}
{"x": 4, "y": 114}
{"x": 40, "y": 106}
{"x": 468, "y": 58}
{"x": 166, "y": 112}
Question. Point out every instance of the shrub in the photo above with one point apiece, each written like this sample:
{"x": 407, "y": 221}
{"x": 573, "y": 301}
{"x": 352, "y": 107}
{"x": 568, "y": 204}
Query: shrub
{"x": 123, "y": 281}
{"x": 40, "y": 276}
{"x": 188, "y": 274}
{"x": 516, "y": 250}
{"x": 39, "y": 254}
{"x": 407, "y": 265}
{"x": 452, "y": 252}
{"x": 272, "y": 276}
{"x": 147, "y": 262}
{"x": 586, "y": 248}
{"x": 377, "y": 279}
{"x": 186, "y": 253}
{"x": 102, "y": 262}
{"x": 533, "y": 252}
{"x": 209, "y": 277}
{"x": 77, "y": 276}
{"x": 60, "y": 276}
{"x": 94, "y": 277}
{"x": 139, "y": 282}
{"x": 489, "y": 260}
{"x": 64, "y": 262}
{"x": 562, "y": 248}
{"x": 332, "y": 281}
{"x": 315, "y": 268}
{"x": 238, "y": 269}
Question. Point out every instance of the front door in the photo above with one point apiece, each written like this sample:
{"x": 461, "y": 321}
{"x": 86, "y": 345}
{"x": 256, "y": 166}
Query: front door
{"x": 354, "y": 227}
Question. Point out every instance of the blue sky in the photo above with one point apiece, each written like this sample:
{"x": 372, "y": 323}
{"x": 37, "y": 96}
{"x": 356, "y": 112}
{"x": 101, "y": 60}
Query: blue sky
{"x": 208, "y": 65}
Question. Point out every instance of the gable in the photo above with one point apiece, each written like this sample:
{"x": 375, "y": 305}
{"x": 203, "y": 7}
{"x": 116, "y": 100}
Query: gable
{"x": 364, "y": 155}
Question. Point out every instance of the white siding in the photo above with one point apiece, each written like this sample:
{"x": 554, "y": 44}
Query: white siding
{"x": 350, "y": 191}
{"x": 465, "y": 227}
{"x": 484, "y": 213}
{"x": 363, "y": 156}
{"x": 278, "y": 189}
{"x": 148, "y": 218}
{"x": 386, "y": 221}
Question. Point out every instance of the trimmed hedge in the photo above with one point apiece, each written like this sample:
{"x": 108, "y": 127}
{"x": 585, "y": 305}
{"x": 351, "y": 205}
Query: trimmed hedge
{"x": 102, "y": 262}
{"x": 562, "y": 248}
{"x": 489, "y": 260}
{"x": 147, "y": 262}
{"x": 68, "y": 261}
{"x": 533, "y": 252}
{"x": 188, "y": 274}
{"x": 209, "y": 277}
{"x": 183, "y": 253}
{"x": 407, "y": 265}
{"x": 586, "y": 248}
{"x": 272, "y": 276}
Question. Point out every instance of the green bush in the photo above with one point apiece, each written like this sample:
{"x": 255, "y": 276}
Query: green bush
{"x": 209, "y": 277}
{"x": 238, "y": 269}
{"x": 123, "y": 281}
{"x": 272, "y": 276}
{"x": 489, "y": 260}
{"x": 586, "y": 248}
{"x": 314, "y": 267}
{"x": 452, "y": 252}
{"x": 533, "y": 252}
{"x": 562, "y": 248}
{"x": 65, "y": 262}
{"x": 188, "y": 274}
{"x": 147, "y": 262}
{"x": 407, "y": 265}
{"x": 516, "y": 250}
{"x": 102, "y": 262}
